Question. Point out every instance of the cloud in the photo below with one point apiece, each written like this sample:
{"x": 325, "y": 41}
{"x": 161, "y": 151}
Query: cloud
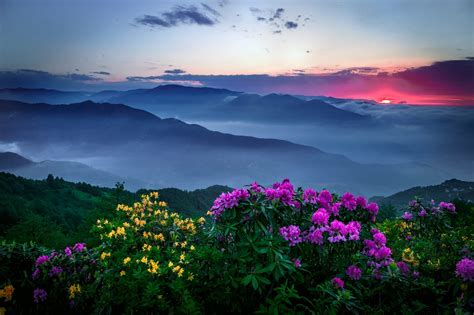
{"x": 278, "y": 13}
{"x": 181, "y": 15}
{"x": 275, "y": 19}
{"x": 290, "y": 25}
{"x": 443, "y": 82}
{"x": 29, "y": 78}
{"x": 101, "y": 72}
{"x": 175, "y": 71}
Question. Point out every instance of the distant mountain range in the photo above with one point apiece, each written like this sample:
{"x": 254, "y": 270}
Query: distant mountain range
{"x": 202, "y": 103}
{"x": 71, "y": 171}
{"x": 447, "y": 191}
{"x": 168, "y": 152}
{"x": 43, "y": 96}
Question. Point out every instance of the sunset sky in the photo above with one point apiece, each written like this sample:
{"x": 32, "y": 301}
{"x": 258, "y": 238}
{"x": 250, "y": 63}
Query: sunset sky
{"x": 414, "y": 51}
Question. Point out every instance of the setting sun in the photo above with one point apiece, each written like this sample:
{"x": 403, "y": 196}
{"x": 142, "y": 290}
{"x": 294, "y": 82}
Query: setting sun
{"x": 386, "y": 101}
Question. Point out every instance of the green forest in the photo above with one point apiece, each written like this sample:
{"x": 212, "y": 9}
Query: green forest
{"x": 54, "y": 212}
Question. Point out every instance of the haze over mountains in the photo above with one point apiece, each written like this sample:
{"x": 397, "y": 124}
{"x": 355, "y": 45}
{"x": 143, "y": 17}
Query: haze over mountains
{"x": 388, "y": 142}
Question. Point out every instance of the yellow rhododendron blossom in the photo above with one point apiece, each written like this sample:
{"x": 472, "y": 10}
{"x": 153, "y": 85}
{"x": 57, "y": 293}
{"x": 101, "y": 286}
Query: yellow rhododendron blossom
{"x": 122, "y": 273}
{"x": 126, "y": 260}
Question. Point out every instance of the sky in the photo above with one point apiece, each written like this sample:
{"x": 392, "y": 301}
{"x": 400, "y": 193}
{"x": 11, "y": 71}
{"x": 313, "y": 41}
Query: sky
{"x": 413, "y": 51}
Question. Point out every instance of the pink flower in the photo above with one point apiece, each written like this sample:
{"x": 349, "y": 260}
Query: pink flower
{"x": 354, "y": 272}
{"x": 41, "y": 260}
{"x": 320, "y": 217}
{"x": 292, "y": 234}
{"x": 315, "y": 236}
{"x": 310, "y": 196}
{"x": 465, "y": 269}
{"x": 297, "y": 263}
{"x": 338, "y": 283}
{"x": 348, "y": 201}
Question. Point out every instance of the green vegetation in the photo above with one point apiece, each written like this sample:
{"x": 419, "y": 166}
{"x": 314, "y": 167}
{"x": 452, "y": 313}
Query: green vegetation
{"x": 54, "y": 212}
{"x": 264, "y": 250}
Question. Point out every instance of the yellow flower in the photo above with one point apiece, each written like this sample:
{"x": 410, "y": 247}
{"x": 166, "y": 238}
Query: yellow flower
{"x": 111, "y": 234}
{"x": 146, "y": 247}
{"x": 162, "y": 204}
{"x": 73, "y": 290}
{"x": 122, "y": 273}
{"x": 170, "y": 264}
{"x": 153, "y": 267}
{"x": 144, "y": 260}
{"x": 159, "y": 237}
{"x": 126, "y": 260}
{"x": 191, "y": 277}
{"x": 104, "y": 255}
{"x": 183, "y": 244}
{"x": 182, "y": 257}
{"x": 201, "y": 220}
{"x": 7, "y": 292}
{"x": 126, "y": 224}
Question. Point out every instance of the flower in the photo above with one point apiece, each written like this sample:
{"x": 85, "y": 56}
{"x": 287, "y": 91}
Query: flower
{"x": 41, "y": 260}
{"x": 354, "y": 272}
{"x": 310, "y": 196}
{"x": 35, "y": 275}
{"x": 73, "y": 290}
{"x": 320, "y": 217}
{"x": 292, "y": 234}
{"x": 447, "y": 206}
{"x": 373, "y": 209}
{"x": 361, "y": 202}
{"x": 403, "y": 267}
{"x": 122, "y": 273}
{"x": 324, "y": 198}
{"x": 255, "y": 187}
{"x": 7, "y": 292}
{"x": 338, "y": 283}
{"x": 297, "y": 262}
{"x": 79, "y": 247}
{"x": 126, "y": 260}
{"x": 228, "y": 200}
{"x": 407, "y": 216}
{"x": 68, "y": 251}
{"x": 56, "y": 270}
{"x": 39, "y": 295}
{"x": 315, "y": 236}
{"x": 465, "y": 269}
{"x": 422, "y": 213}
{"x": 348, "y": 201}
{"x": 283, "y": 191}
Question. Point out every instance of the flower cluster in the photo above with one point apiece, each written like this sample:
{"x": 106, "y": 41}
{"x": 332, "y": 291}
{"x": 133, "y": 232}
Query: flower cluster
{"x": 7, "y": 292}
{"x": 416, "y": 209}
{"x": 283, "y": 192}
{"x": 465, "y": 269}
{"x": 292, "y": 234}
{"x": 376, "y": 250}
{"x": 230, "y": 200}
{"x": 76, "y": 263}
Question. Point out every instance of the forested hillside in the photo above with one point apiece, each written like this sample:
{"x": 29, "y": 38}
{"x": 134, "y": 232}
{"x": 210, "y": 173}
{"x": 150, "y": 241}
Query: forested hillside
{"x": 54, "y": 212}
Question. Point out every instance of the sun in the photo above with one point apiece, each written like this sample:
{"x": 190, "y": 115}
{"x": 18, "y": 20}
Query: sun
{"x": 386, "y": 101}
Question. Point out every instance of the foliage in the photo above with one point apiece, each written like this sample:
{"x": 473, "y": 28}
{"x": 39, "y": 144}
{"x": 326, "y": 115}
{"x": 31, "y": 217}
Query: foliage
{"x": 277, "y": 249}
{"x": 54, "y": 212}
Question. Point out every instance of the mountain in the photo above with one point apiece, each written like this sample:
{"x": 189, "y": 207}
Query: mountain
{"x": 10, "y": 160}
{"x": 282, "y": 108}
{"x": 202, "y": 103}
{"x": 174, "y": 100}
{"x": 71, "y": 171}
{"x": 168, "y": 152}
{"x": 447, "y": 191}
{"x": 42, "y": 95}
